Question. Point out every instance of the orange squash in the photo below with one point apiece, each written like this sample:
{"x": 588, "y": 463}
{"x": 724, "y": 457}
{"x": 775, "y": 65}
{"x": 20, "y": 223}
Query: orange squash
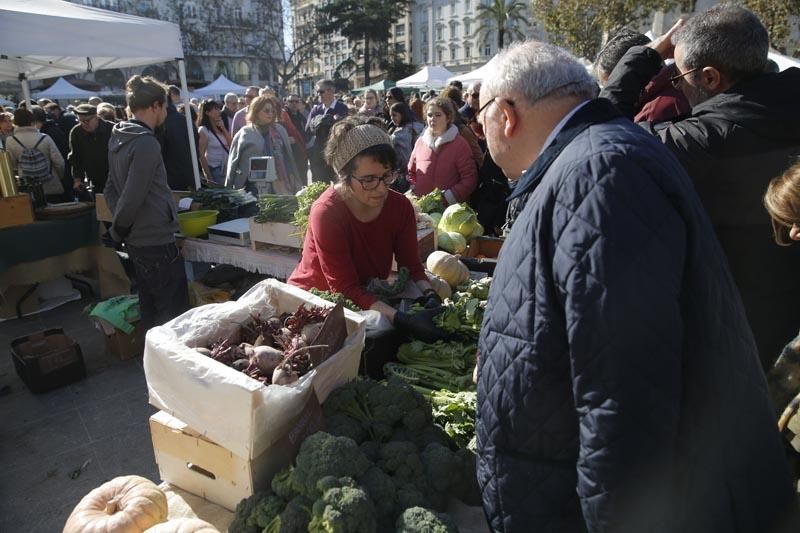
{"x": 127, "y": 504}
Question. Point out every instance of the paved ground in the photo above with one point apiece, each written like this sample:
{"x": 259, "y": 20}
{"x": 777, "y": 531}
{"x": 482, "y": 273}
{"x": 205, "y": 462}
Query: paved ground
{"x": 102, "y": 420}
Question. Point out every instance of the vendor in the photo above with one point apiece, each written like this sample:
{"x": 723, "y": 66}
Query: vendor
{"x": 359, "y": 224}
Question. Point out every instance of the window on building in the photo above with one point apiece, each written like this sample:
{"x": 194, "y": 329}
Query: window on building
{"x": 237, "y": 14}
{"x": 453, "y": 29}
{"x": 400, "y": 48}
{"x": 438, "y": 12}
{"x": 439, "y": 33}
{"x": 425, "y": 56}
{"x": 467, "y": 51}
{"x": 424, "y": 33}
{"x": 467, "y": 28}
{"x": 453, "y": 53}
{"x": 439, "y": 55}
{"x": 487, "y": 49}
{"x": 399, "y": 30}
{"x": 467, "y": 5}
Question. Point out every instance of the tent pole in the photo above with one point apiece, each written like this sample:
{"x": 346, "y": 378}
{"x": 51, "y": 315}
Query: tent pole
{"x": 26, "y": 88}
{"x": 188, "y": 114}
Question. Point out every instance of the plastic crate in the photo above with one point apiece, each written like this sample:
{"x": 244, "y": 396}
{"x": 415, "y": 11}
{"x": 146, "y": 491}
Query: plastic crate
{"x": 47, "y": 360}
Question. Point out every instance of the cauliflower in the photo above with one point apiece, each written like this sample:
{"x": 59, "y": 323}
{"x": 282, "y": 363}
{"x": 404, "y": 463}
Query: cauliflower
{"x": 420, "y": 520}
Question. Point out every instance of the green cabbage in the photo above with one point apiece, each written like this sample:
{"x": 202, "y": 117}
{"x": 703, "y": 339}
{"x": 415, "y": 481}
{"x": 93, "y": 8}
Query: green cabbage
{"x": 436, "y": 217}
{"x": 462, "y": 219}
{"x": 453, "y": 242}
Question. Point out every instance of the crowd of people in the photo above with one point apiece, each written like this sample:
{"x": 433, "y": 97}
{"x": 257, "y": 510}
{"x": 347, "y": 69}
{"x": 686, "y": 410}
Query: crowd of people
{"x": 646, "y": 286}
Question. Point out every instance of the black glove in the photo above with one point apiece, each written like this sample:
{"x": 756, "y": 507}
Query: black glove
{"x": 420, "y": 325}
{"x": 429, "y": 299}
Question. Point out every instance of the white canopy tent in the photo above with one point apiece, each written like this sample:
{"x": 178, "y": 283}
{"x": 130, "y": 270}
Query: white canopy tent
{"x": 221, "y": 86}
{"x": 432, "y": 77}
{"x": 47, "y": 38}
{"x": 783, "y": 61}
{"x": 62, "y": 90}
{"x": 474, "y": 75}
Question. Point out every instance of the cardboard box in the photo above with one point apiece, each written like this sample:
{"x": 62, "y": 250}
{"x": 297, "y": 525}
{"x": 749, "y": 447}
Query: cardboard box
{"x": 198, "y": 465}
{"x": 123, "y": 345}
{"x": 47, "y": 360}
{"x": 274, "y": 234}
{"x": 225, "y": 405}
{"x": 16, "y": 211}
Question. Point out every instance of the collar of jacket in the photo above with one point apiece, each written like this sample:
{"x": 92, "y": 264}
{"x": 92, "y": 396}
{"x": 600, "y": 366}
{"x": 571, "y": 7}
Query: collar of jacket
{"x": 446, "y": 137}
{"x": 596, "y": 111}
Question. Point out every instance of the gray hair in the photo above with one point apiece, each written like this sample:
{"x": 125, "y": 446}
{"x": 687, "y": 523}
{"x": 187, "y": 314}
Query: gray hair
{"x": 538, "y": 70}
{"x": 231, "y": 97}
{"x": 726, "y": 37}
{"x": 326, "y": 84}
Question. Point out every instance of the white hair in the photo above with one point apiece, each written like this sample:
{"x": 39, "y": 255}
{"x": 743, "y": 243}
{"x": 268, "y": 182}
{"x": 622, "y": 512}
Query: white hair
{"x": 231, "y": 97}
{"x": 538, "y": 70}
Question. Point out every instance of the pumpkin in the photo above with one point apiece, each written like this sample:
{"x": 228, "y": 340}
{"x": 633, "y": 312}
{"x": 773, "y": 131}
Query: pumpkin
{"x": 448, "y": 267}
{"x": 126, "y": 504}
{"x": 183, "y": 525}
{"x": 441, "y": 287}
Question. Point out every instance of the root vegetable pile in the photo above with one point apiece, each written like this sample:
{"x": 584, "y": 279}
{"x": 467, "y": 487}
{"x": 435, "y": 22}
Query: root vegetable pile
{"x": 273, "y": 350}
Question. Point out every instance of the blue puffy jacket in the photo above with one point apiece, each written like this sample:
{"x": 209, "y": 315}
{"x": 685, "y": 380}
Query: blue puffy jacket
{"x": 619, "y": 386}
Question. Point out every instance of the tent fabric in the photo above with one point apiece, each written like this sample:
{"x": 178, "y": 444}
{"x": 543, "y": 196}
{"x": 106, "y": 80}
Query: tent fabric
{"x": 62, "y": 89}
{"x": 783, "y": 61}
{"x": 221, "y": 85}
{"x": 49, "y": 38}
{"x": 378, "y": 86}
{"x": 474, "y": 75}
{"x": 432, "y": 77}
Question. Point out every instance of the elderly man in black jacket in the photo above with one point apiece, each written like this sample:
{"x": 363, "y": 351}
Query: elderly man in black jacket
{"x": 175, "y": 150}
{"x": 88, "y": 149}
{"x": 744, "y": 129}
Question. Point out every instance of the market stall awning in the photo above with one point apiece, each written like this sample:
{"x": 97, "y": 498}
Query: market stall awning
{"x": 221, "y": 85}
{"x": 783, "y": 61}
{"x": 49, "y": 38}
{"x": 474, "y": 75}
{"x": 431, "y": 77}
{"x": 62, "y": 89}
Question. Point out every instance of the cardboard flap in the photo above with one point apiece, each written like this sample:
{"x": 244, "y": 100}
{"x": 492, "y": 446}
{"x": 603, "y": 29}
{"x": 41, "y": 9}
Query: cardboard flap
{"x": 331, "y": 337}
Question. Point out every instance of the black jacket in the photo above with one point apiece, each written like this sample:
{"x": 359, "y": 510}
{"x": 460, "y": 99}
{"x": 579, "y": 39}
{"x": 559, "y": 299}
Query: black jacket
{"x": 175, "y": 150}
{"x": 732, "y": 145}
{"x": 619, "y": 390}
{"x": 88, "y": 153}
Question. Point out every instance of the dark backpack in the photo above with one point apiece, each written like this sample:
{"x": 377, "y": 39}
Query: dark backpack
{"x": 32, "y": 164}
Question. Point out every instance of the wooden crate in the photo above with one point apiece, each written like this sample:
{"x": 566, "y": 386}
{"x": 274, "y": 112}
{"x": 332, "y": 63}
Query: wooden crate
{"x": 274, "y": 234}
{"x": 190, "y": 461}
{"x": 488, "y": 247}
{"x": 16, "y": 211}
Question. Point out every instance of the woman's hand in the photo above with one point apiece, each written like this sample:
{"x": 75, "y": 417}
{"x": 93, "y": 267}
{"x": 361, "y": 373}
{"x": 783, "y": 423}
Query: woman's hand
{"x": 429, "y": 299}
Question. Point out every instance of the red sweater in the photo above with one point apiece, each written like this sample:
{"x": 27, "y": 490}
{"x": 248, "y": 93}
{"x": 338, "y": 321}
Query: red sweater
{"x": 449, "y": 166}
{"x": 341, "y": 254}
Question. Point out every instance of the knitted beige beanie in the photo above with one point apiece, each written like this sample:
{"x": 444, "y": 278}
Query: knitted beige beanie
{"x": 356, "y": 141}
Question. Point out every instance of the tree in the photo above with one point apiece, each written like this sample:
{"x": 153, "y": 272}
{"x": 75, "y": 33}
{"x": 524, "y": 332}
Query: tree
{"x": 369, "y": 21}
{"x": 580, "y": 25}
{"x": 775, "y": 14}
{"x": 503, "y": 16}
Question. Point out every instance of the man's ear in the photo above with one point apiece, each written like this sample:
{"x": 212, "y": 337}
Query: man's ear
{"x": 510, "y": 115}
{"x": 712, "y": 80}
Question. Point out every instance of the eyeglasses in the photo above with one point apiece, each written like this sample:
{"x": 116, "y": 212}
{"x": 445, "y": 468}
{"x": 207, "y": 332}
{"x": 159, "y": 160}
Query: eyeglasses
{"x": 369, "y": 183}
{"x": 676, "y": 81}
{"x": 477, "y": 114}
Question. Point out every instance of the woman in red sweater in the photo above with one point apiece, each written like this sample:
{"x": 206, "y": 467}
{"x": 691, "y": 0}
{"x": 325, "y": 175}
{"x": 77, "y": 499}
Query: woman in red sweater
{"x": 359, "y": 224}
{"x": 442, "y": 158}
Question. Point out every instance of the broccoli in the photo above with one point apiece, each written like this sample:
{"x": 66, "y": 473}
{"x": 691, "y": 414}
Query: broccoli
{"x": 408, "y": 495}
{"x": 401, "y": 460}
{"x": 371, "y": 449}
{"x": 381, "y": 490}
{"x": 397, "y": 402}
{"x": 293, "y": 519}
{"x": 255, "y": 513}
{"x": 442, "y": 466}
{"x": 282, "y": 484}
{"x": 343, "y": 425}
{"x": 323, "y": 455}
{"x": 331, "y": 482}
{"x": 420, "y": 520}
{"x": 343, "y": 510}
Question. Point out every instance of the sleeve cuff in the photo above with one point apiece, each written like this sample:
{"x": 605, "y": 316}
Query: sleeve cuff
{"x": 450, "y": 197}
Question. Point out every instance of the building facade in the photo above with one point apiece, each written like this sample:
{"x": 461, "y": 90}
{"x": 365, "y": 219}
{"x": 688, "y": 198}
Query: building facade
{"x": 242, "y": 39}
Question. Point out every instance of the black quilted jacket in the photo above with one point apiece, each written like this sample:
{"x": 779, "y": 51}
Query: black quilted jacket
{"x": 619, "y": 387}
{"x": 731, "y": 146}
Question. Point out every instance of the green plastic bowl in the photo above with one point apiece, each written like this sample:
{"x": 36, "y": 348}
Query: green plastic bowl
{"x": 196, "y": 223}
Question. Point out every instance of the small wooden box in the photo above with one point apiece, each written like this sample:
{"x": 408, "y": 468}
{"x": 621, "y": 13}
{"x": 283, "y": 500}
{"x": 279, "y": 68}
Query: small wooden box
{"x": 274, "y": 234}
{"x": 16, "y": 211}
{"x": 190, "y": 461}
{"x": 487, "y": 247}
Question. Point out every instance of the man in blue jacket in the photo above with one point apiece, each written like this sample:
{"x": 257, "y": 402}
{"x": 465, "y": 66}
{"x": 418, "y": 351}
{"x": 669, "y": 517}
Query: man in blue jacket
{"x": 619, "y": 387}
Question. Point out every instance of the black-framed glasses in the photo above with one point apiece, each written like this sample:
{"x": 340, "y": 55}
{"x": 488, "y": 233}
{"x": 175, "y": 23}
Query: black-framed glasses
{"x": 676, "y": 81}
{"x": 369, "y": 183}
{"x": 484, "y": 106}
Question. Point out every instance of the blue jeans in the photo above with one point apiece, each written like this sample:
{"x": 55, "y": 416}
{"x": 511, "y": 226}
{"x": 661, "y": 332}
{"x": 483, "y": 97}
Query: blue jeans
{"x": 216, "y": 175}
{"x": 161, "y": 276}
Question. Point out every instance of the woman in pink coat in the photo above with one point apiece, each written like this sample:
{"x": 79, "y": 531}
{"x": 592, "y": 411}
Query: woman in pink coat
{"x": 442, "y": 158}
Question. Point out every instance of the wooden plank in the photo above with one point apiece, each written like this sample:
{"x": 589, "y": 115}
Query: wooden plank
{"x": 274, "y": 234}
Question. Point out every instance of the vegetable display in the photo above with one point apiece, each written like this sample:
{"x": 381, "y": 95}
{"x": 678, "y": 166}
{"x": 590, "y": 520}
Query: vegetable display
{"x": 433, "y": 202}
{"x": 452, "y": 242}
{"x": 383, "y": 465}
{"x": 305, "y": 199}
{"x": 385, "y": 290}
{"x": 455, "y": 412}
{"x": 276, "y": 208}
{"x": 336, "y": 298}
{"x": 273, "y": 350}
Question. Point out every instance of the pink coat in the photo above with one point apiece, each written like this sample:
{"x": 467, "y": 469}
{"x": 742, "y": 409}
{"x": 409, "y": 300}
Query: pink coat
{"x": 449, "y": 166}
